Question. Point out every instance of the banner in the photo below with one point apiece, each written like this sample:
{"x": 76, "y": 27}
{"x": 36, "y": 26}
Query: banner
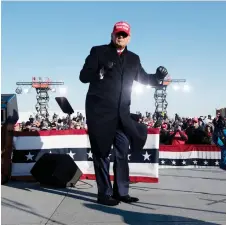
{"x": 30, "y": 146}
{"x": 144, "y": 166}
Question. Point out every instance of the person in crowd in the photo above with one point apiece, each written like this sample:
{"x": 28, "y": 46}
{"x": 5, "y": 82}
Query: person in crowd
{"x": 164, "y": 134}
{"x": 219, "y": 138}
{"x": 110, "y": 71}
{"x": 201, "y": 123}
{"x": 208, "y": 119}
{"x": 208, "y": 137}
{"x": 195, "y": 133}
{"x": 178, "y": 137}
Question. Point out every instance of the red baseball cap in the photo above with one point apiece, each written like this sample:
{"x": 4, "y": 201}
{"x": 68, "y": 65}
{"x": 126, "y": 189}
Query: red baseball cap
{"x": 195, "y": 119}
{"x": 121, "y": 27}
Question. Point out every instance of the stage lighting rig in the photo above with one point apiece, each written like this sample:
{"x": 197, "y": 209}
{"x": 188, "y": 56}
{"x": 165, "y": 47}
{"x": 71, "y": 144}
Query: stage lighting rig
{"x": 42, "y": 87}
{"x": 161, "y": 94}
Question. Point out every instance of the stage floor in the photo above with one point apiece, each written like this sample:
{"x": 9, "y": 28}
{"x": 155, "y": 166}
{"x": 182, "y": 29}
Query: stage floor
{"x": 183, "y": 196}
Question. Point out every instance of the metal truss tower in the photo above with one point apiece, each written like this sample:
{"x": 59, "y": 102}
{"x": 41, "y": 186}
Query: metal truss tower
{"x": 42, "y": 87}
{"x": 161, "y": 94}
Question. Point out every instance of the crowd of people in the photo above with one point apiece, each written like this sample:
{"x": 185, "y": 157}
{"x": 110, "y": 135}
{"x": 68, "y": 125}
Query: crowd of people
{"x": 181, "y": 130}
{"x": 175, "y": 131}
{"x": 39, "y": 123}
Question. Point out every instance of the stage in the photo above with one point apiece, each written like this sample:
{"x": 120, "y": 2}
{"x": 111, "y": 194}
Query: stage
{"x": 182, "y": 196}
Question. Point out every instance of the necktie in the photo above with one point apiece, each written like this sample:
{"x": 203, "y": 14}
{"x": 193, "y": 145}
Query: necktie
{"x": 119, "y": 52}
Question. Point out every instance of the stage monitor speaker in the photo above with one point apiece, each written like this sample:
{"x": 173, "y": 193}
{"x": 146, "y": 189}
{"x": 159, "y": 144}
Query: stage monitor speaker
{"x": 56, "y": 170}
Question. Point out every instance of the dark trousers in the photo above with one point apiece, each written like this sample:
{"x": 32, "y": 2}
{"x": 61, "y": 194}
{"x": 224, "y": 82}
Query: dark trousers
{"x": 120, "y": 168}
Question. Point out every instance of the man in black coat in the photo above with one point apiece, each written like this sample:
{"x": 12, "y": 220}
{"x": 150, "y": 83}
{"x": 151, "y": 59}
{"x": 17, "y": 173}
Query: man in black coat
{"x": 110, "y": 70}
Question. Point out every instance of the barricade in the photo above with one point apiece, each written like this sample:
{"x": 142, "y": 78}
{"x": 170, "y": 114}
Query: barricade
{"x": 30, "y": 146}
{"x": 144, "y": 166}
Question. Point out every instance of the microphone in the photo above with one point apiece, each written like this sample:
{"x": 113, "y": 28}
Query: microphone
{"x": 106, "y": 68}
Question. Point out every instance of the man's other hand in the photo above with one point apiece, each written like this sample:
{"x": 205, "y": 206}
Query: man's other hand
{"x": 161, "y": 72}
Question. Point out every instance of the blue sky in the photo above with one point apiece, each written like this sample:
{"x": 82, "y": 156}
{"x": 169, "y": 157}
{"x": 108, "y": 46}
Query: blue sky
{"x": 52, "y": 39}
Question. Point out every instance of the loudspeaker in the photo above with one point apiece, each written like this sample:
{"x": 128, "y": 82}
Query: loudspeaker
{"x": 9, "y": 117}
{"x": 9, "y": 109}
{"x": 56, "y": 170}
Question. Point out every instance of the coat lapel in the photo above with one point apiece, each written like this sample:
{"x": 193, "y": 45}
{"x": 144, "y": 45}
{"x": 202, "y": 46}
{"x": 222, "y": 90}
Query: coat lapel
{"x": 116, "y": 58}
{"x": 123, "y": 59}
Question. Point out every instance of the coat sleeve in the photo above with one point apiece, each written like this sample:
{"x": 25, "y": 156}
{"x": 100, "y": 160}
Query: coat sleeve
{"x": 144, "y": 78}
{"x": 90, "y": 68}
{"x": 135, "y": 117}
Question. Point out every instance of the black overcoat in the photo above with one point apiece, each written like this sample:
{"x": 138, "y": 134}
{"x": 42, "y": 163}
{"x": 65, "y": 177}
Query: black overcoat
{"x": 108, "y": 99}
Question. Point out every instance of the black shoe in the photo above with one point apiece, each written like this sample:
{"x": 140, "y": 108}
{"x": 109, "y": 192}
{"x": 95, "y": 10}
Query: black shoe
{"x": 107, "y": 200}
{"x": 126, "y": 199}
